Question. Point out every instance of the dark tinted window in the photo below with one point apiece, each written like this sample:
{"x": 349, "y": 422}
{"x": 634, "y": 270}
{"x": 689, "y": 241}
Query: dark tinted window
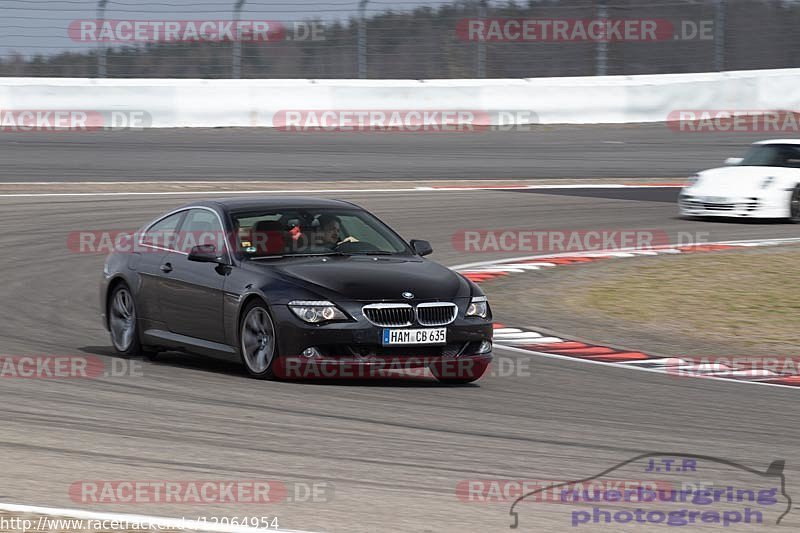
{"x": 773, "y": 155}
{"x": 164, "y": 233}
{"x": 313, "y": 231}
{"x": 201, "y": 226}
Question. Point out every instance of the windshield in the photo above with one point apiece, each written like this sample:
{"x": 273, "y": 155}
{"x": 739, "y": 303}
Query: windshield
{"x": 298, "y": 232}
{"x": 773, "y": 155}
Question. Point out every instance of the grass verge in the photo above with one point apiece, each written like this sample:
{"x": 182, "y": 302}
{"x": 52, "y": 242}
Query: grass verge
{"x": 752, "y": 297}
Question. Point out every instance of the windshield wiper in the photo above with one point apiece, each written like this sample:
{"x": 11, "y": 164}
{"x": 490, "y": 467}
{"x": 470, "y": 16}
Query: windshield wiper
{"x": 375, "y": 252}
{"x": 327, "y": 254}
{"x": 320, "y": 254}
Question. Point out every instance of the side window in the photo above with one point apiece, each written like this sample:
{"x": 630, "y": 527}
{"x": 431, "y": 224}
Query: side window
{"x": 793, "y": 157}
{"x": 164, "y": 233}
{"x": 201, "y": 227}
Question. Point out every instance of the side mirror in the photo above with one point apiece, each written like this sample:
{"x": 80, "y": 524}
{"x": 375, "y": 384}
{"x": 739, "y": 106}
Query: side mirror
{"x": 733, "y": 160}
{"x": 421, "y": 247}
{"x": 204, "y": 253}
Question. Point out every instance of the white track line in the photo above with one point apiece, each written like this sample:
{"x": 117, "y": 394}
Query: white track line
{"x": 280, "y": 191}
{"x": 506, "y": 335}
{"x": 159, "y": 522}
{"x": 200, "y": 193}
{"x": 560, "y": 186}
{"x": 153, "y": 181}
{"x": 506, "y": 182}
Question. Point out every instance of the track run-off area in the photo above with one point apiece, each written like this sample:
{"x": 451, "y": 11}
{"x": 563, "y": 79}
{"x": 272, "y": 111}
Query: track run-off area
{"x": 391, "y": 455}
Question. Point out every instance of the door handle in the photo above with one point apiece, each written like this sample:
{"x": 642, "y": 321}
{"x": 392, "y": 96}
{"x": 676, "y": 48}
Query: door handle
{"x": 166, "y": 268}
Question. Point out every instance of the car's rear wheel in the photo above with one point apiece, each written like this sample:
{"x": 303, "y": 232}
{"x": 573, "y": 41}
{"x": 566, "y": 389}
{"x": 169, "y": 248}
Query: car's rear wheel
{"x": 123, "y": 323}
{"x": 794, "y": 205}
{"x": 257, "y": 340}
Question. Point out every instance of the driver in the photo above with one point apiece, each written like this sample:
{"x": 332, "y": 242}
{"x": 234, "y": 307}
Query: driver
{"x": 330, "y": 230}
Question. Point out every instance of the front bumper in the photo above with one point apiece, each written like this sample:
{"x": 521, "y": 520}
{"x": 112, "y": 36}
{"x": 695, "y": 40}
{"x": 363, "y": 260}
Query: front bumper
{"x": 358, "y": 343}
{"x": 765, "y": 206}
{"x": 472, "y": 367}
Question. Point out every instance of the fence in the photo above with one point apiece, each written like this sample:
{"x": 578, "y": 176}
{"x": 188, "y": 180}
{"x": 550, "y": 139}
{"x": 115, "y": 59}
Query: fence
{"x": 393, "y": 39}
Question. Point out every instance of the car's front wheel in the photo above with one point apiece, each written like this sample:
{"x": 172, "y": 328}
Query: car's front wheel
{"x": 123, "y": 323}
{"x": 794, "y": 205}
{"x": 257, "y": 339}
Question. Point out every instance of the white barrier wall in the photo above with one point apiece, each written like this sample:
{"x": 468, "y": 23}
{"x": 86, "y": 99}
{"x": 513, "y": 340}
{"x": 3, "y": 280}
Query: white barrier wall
{"x": 576, "y": 100}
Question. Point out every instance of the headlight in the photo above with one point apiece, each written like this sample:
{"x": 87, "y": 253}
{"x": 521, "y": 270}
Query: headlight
{"x": 316, "y": 312}
{"x": 693, "y": 180}
{"x": 478, "y": 306}
{"x": 767, "y": 182}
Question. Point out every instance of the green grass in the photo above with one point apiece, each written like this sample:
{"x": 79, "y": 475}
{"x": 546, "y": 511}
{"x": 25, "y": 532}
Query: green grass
{"x": 717, "y": 295}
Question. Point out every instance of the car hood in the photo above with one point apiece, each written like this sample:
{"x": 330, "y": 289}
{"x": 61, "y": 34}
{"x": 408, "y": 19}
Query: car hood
{"x": 374, "y": 278}
{"x": 740, "y": 180}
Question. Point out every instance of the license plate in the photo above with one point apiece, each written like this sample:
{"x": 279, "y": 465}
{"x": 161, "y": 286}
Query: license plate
{"x": 716, "y": 200}
{"x": 398, "y": 337}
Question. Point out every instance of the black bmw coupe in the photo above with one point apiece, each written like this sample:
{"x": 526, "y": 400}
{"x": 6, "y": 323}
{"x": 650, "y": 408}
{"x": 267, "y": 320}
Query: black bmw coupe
{"x": 294, "y": 288}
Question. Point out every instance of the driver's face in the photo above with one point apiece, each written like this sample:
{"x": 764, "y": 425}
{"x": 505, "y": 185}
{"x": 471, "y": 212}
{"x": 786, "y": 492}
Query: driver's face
{"x": 330, "y": 233}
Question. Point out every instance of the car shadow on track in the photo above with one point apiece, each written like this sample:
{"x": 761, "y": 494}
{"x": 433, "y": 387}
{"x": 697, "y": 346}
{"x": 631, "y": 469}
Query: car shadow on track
{"x": 181, "y": 360}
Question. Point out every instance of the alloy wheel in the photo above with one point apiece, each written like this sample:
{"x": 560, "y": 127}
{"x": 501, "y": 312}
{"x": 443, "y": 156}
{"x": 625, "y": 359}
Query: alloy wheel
{"x": 122, "y": 319}
{"x": 258, "y": 340}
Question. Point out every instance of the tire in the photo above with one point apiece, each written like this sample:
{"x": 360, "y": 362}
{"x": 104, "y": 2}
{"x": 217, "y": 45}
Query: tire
{"x": 258, "y": 344}
{"x": 794, "y": 205}
{"x": 123, "y": 324}
{"x": 459, "y": 371}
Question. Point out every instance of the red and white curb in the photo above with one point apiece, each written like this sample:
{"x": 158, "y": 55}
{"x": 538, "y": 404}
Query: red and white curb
{"x": 489, "y": 270}
{"x": 538, "y": 343}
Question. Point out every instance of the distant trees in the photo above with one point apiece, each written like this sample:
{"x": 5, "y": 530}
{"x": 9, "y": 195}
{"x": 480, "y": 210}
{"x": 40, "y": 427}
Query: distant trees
{"x": 424, "y": 43}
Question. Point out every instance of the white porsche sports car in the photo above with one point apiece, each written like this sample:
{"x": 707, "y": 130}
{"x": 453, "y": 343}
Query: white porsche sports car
{"x": 765, "y": 183}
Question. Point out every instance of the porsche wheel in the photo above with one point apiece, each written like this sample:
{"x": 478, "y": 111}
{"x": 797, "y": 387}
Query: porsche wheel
{"x": 794, "y": 205}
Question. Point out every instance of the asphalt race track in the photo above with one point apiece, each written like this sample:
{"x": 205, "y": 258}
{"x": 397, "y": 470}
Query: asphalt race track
{"x": 394, "y": 452}
{"x": 631, "y": 150}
